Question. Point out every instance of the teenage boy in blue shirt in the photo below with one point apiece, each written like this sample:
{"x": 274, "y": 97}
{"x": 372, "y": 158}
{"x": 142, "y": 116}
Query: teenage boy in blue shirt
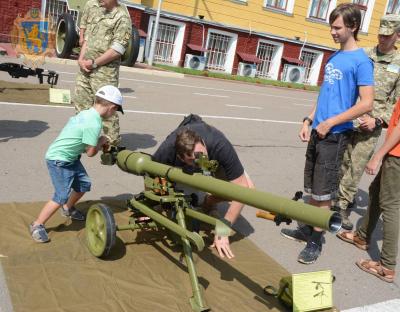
{"x": 348, "y": 76}
{"x": 80, "y": 135}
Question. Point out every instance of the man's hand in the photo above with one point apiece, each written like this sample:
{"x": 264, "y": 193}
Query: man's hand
{"x": 373, "y": 165}
{"x": 85, "y": 65}
{"x": 323, "y": 128}
{"x": 304, "y": 133}
{"x": 367, "y": 123}
{"x": 221, "y": 243}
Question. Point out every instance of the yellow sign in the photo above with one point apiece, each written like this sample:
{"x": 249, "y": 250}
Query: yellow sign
{"x": 312, "y": 291}
{"x": 32, "y": 38}
{"x": 62, "y": 96}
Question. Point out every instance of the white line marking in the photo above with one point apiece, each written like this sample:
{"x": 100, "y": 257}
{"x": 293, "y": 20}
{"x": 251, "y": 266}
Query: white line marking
{"x": 243, "y": 106}
{"x": 67, "y": 73}
{"x": 129, "y": 96}
{"x": 303, "y": 105}
{"x": 216, "y": 89}
{"x": 168, "y": 114}
{"x": 215, "y": 95}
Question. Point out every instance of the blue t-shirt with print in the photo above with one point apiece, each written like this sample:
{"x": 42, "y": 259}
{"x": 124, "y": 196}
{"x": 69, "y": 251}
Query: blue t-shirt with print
{"x": 345, "y": 71}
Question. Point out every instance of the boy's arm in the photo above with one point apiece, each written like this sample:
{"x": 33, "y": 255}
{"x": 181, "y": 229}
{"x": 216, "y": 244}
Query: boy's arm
{"x": 391, "y": 141}
{"x": 304, "y": 133}
{"x": 92, "y": 150}
{"x": 363, "y": 106}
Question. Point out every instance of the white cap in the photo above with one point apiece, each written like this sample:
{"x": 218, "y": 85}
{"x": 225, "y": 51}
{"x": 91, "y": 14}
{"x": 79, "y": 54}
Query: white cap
{"x": 111, "y": 94}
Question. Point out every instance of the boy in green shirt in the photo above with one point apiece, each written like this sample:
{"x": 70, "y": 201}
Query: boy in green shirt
{"x": 80, "y": 135}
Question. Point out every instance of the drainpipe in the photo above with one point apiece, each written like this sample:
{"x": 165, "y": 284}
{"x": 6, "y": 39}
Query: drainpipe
{"x": 155, "y": 33}
{"x": 304, "y": 43}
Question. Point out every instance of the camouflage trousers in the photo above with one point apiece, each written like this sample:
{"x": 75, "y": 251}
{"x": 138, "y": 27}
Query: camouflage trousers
{"x": 358, "y": 152}
{"x": 85, "y": 89}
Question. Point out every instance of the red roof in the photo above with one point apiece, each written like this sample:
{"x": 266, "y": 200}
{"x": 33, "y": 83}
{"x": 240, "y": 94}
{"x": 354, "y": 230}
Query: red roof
{"x": 249, "y": 57}
{"x": 293, "y": 60}
{"x": 195, "y": 47}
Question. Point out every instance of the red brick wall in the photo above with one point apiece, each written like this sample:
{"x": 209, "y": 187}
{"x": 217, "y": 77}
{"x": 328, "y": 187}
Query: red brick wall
{"x": 246, "y": 43}
{"x": 9, "y": 12}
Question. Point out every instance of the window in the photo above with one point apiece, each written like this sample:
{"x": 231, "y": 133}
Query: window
{"x": 319, "y": 9}
{"x": 284, "y": 6}
{"x": 312, "y": 63}
{"x": 221, "y": 46}
{"x": 165, "y": 43}
{"x": 269, "y": 53}
{"x": 218, "y": 45}
{"x": 363, "y": 6}
{"x": 393, "y": 7}
{"x": 276, "y": 4}
{"x": 55, "y": 8}
{"x": 169, "y": 40}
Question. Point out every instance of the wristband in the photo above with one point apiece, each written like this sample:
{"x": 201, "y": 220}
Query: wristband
{"x": 310, "y": 121}
{"x": 226, "y": 222}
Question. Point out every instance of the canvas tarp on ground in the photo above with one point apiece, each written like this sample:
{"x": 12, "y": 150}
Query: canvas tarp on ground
{"x": 143, "y": 273}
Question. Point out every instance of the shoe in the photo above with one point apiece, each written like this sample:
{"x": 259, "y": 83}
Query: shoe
{"x": 354, "y": 239}
{"x": 301, "y": 234}
{"x": 310, "y": 253}
{"x": 377, "y": 269}
{"x": 72, "y": 213}
{"x": 344, "y": 213}
{"x": 346, "y": 223}
{"x": 38, "y": 233}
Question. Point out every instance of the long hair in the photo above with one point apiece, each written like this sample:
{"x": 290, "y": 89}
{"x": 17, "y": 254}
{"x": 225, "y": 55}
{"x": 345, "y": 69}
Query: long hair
{"x": 351, "y": 15}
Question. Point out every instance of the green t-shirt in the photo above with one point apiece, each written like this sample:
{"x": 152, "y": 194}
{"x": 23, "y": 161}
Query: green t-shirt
{"x": 80, "y": 131}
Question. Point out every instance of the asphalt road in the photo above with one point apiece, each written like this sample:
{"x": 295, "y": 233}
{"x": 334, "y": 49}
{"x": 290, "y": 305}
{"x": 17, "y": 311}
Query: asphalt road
{"x": 261, "y": 122}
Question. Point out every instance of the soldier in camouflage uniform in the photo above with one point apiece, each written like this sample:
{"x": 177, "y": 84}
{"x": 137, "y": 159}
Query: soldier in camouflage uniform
{"x": 386, "y": 60}
{"x": 108, "y": 31}
{"x": 83, "y": 24}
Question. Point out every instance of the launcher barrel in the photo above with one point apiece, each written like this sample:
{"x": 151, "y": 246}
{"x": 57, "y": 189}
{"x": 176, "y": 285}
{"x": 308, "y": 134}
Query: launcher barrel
{"x": 141, "y": 164}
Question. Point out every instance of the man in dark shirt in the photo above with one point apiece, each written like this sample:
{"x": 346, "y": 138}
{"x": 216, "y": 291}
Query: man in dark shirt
{"x": 192, "y": 136}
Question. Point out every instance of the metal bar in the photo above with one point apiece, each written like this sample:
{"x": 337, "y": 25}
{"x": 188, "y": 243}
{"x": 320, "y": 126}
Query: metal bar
{"x": 196, "y": 301}
{"x": 195, "y": 238}
{"x": 140, "y": 164}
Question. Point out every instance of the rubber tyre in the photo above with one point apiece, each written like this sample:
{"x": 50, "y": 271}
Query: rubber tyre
{"x": 131, "y": 54}
{"x": 100, "y": 230}
{"x": 66, "y": 36}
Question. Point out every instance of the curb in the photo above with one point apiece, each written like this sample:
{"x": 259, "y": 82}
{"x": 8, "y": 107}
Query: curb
{"x": 144, "y": 71}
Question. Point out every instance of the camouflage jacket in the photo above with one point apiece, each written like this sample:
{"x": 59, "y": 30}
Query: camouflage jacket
{"x": 107, "y": 30}
{"x": 387, "y": 82}
{"x": 83, "y": 23}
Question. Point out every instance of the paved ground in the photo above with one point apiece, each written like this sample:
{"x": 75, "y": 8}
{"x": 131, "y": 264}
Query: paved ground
{"x": 261, "y": 122}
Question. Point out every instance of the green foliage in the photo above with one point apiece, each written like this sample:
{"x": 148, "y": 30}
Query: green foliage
{"x": 205, "y": 73}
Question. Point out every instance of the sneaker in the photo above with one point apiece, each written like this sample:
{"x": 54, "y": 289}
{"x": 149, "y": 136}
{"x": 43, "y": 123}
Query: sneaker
{"x": 72, "y": 213}
{"x": 38, "y": 233}
{"x": 310, "y": 253}
{"x": 301, "y": 234}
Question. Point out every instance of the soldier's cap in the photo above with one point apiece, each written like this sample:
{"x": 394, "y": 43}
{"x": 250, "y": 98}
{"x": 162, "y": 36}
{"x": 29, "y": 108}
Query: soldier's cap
{"x": 388, "y": 24}
{"x": 111, "y": 94}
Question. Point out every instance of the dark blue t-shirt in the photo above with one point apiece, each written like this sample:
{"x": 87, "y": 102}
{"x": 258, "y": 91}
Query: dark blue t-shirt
{"x": 345, "y": 71}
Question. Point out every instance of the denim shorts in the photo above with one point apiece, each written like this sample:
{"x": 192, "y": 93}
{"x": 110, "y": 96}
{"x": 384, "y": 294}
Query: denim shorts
{"x": 323, "y": 160}
{"x": 67, "y": 176}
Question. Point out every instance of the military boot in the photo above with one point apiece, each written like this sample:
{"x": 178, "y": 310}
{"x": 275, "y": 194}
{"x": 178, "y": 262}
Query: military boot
{"x": 344, "y": 213}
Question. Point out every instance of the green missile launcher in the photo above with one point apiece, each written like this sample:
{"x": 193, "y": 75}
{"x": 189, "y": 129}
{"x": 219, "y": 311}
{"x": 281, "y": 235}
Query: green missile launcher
{"x": 163, "y": 206}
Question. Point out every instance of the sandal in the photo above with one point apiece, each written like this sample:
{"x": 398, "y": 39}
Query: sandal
{"x": 376, "y": 268}
{"x": 354, "y": 239}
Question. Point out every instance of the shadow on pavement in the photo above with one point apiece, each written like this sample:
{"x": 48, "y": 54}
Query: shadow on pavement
{"x": 15, "y": 129}
{"x": 134, "y": 141}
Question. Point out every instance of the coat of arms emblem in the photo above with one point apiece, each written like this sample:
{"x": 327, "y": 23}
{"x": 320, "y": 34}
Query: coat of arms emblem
{"x": 32, "y": 38}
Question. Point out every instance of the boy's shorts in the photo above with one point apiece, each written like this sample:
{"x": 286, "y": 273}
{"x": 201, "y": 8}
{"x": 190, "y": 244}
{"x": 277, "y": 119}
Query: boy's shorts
{"x": 66, "y": 176}
{"x": 323, "y": 161}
